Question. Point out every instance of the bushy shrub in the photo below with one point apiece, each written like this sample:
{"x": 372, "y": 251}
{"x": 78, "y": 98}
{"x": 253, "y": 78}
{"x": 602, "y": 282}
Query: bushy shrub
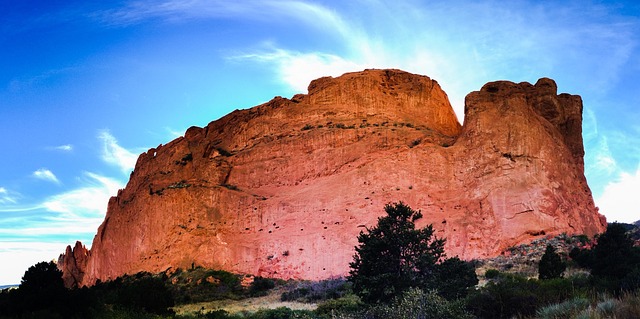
{"x": 281, "y": 313}
{"x": 195, "y": 285}
{"x": 349, "y": 304}
{"x": 453, "y": 277}
{"x": 318, "y": 290}
{"x": 613, "y": 254}
{"x": 417, "y": 304}
{"x": 260, "y": 286}
{"x": 614, "y": 261}
{"x": 142, "y": 292}
{"x": 505, "y": 298}
{"x": 631, "y": 282}
{"x": 491, "y": 274}
{"x": 557, "y": 290}
{"x": 629, "y": 305}
{"x": 551, "y": 265}
{"x": 567, "y": 309}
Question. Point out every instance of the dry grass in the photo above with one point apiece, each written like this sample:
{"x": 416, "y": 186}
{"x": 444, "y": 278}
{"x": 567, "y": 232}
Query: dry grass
{"x": 270, "y": 301}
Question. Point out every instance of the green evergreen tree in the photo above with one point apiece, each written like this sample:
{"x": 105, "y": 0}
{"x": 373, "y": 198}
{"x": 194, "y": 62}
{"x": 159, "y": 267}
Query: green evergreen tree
{"x": 551, "y": 265}
{"x": 454, "y": 277}
{"x": 42, "y": 288}
{"x": 394, "y": 256}
{"x": 613, "y": 255}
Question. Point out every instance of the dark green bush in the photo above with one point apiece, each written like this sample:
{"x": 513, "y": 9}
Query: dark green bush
{"x": 508, "y": 297}
{"x": 260, "y": 286}
{"x": 613, "y": 260}
{"x": 349, "y": 304}
{"x": 551, "y": 265}
{"x": 142, "y": 292}
{"x": 491, "y": 273}
{"x": 613, "y": 254}
{"x": 453, "y": 277}
{"x": 417, "y": 304}
{"x": 281, "y": 313}
{"x": 318, "y": 290}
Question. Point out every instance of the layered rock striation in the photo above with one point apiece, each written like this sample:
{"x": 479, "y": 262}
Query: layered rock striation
{"x": 284, "y": 188}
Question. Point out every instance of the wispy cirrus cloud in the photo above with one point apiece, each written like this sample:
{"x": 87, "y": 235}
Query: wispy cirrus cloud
{"x": 66, "y": 148}
{"x": 174, "y": 133}
{"x": 61, "y": 148}
{"x": 72, "y": 206}
{"x": 46, "y": 175}
{"x": 180, "y": 11}
{"x": 6, "y": 197}
{"x": 460, "y": 43}
{"x": 115, "y": 154}
{"x": 40, "y": 231}
{"x": 297, "y": 69}
{"x": 73, "y": 214}
{"x": 89, "y": 200}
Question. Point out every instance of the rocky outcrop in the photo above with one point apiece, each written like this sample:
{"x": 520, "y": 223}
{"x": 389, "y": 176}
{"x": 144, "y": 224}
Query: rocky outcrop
{"x": 73, "y": 264}
{"x": 283, "y": 189}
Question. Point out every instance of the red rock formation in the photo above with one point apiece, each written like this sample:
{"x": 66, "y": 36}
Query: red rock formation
{"x": 283, "y": 189}
{"x": 73, "y": 264}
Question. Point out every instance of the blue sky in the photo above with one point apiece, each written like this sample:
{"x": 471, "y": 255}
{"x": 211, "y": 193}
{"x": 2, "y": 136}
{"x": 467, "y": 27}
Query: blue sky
{"x": 86, "y": 86}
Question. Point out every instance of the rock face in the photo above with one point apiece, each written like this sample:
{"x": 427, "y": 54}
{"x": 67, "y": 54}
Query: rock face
{"x": 284, "y": 188}
{"x": 73, "y": 264}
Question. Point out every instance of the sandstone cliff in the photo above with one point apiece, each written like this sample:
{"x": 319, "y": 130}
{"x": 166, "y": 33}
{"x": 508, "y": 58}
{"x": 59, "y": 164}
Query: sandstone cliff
{"x": 283, "y": 189}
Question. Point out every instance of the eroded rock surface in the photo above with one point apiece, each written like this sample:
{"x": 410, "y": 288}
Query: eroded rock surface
{"x": 283, "y": 189}
{"x": 73, "y": 264}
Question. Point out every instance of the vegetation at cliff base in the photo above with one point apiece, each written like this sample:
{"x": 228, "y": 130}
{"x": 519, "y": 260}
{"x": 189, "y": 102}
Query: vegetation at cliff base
{"x": 394, "y": 256}
{"x": 399, "y": 272}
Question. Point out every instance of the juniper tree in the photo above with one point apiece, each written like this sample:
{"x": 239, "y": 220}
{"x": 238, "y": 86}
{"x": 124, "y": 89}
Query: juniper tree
{"x": 394, "y": 256}
{"x": 551, "y": 265}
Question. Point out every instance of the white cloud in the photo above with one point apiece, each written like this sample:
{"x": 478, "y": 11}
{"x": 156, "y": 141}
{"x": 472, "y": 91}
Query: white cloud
{"x": 620, "y": 201}
{"x": 173, "y": 134}
{"x": 66, "y": 148}
{"x": 298, "y": 69}
{"x": 460, "y": 44}
{"x": 51, "y": 226}
{"x": 61, "y": 148}
{"x": 46, "y": 175}
{"x": 5, "y": 197}
{"x": 25, "y": 239}
{"x": 602, "y": 160}
{"x": 89, "y": 200}
{"x": 115, "y": 154}
{"x": 27, "y": 229}
{"x": 180, "y": 10}
{"x": 24, "y": 255}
